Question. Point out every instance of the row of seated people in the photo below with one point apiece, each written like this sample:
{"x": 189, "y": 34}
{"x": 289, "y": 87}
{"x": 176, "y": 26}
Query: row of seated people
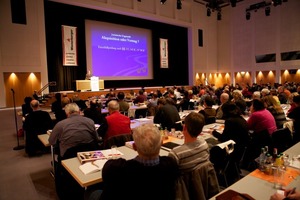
{"x": 114, "y": 102}
{"x": 152, "y": 176}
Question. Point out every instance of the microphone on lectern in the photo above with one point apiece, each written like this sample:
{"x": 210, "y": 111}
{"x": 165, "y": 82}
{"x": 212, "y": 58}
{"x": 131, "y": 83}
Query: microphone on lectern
{"x": 12, "y": 90}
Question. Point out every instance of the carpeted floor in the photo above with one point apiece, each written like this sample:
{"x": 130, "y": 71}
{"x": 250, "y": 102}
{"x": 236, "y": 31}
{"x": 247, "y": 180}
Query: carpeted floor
{"x": 22, "y": 177}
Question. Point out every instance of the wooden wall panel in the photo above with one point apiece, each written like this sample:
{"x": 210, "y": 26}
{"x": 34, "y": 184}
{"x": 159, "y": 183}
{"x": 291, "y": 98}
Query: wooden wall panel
{"x": 23, "y": 84}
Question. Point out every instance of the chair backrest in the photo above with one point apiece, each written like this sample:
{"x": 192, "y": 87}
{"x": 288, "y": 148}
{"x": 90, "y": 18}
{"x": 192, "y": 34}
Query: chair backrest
{"x": 118, "y": 140}
{"x": 258, "y": 140}
{"x": 72, "y": 152}
{"x": 210, "y": 119}
{"x": 219, "y": 157}
{"x": 200, "y": 183}
{"x": 282, "y": 139}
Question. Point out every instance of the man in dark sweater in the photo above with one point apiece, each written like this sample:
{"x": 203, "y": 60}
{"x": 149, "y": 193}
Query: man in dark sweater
{"x": 147, "y": 176}
{"x": 36, "y": 122}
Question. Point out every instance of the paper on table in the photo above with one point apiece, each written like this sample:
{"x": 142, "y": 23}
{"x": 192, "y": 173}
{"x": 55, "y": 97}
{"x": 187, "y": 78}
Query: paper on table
{"x": 108, "y": 153}
{"x": 295, "y": 162}
{"x": 91, "y": 167}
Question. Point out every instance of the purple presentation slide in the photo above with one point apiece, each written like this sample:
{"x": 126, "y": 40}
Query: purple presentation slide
{"x": 119, "y": 53}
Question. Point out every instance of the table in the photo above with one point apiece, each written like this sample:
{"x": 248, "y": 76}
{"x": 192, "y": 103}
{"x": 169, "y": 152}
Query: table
{"x": 72, "y": 166}
{"x": 261, "y": 189}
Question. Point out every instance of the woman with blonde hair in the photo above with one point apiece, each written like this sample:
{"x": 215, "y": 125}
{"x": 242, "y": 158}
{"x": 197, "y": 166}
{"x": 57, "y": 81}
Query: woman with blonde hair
{"x": 275, "y": 109}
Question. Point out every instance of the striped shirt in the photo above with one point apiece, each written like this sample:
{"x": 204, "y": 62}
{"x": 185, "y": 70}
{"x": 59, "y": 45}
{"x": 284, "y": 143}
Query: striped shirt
{"x": 189, "y": 156}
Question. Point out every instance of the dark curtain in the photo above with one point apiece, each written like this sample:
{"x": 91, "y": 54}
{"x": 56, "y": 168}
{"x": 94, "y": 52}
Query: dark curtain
{"x": 57, "y": 14}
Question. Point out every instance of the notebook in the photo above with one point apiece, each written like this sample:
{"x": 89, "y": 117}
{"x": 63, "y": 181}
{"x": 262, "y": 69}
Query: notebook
{"x": 93, "y": 166}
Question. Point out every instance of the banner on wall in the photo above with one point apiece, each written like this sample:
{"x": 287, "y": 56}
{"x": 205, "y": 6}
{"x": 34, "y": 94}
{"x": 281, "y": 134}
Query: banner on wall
{"x": 69, "y": 40}
{"x": 164, "y": 59}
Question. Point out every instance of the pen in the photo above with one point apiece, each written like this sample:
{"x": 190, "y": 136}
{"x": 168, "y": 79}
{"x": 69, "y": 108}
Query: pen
{"x": 291, "y": 192}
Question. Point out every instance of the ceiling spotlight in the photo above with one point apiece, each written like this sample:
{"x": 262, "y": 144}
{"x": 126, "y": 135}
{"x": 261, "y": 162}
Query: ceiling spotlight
{"x": 208, "y": 12}
{"x": 233, "y": 3}
{"x": 277, "y": 2}
{"x": 179, "y": 5}
{"x": 248, "y": 15}
{"x": 267, "y": 11}
{"x": 219, "y": 15}
{"x": 163, "y": 1}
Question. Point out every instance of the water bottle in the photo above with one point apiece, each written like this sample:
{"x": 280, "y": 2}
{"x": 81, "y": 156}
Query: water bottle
{"x": 262, "y": 159}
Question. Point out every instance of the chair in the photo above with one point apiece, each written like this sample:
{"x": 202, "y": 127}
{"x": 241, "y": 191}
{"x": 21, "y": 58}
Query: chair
{"x": 282, "y": 139}
{"x": 66, "y": 186}
{"x": 141, "y": 113}
{"x": 200, "y": 183}
{"x": 118, "y": 140}
{"x": 258, "y": 140}
{"x": 225, "y": 164}
{"x": 210, "y": 120}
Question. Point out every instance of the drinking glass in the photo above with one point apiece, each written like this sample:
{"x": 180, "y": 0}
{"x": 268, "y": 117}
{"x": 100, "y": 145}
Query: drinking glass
{"x": 114, "y": 152}
{"x": 278, "y": 174}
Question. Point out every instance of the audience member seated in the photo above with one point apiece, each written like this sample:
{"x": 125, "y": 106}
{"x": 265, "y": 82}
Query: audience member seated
{"x": 261, "y": 119}
{"x": 235, "y": 129}
{"x": 150, "y": 176}
{"x": 94, "y": 112}
{"x": 282, "y": 94}
{"x": 73, "y": 131}
{"x": 172, "y": 95}
{"x": 288, "y": 195}
{"x": 124, "y": 106}
{"x": 295, "y": 115}
{"x": 275, "y": 109}
{"x": 141, "y": 98}
{"x": 61, "y": 114}
{"x": 152, "y": 105}
{"x": 167, "y": 114}
{"x": 37, "y": 122}
{"x": 26, "y": 107}
{"x": 56, "y": 105}
{"x": 111, "y": 93}
{"x": 291, "y": 102}
{"x": 198, "y": 178}
{"x": 224, "y": 97}
{"x": 246, "y": 93}
{"x": 185, "y": 102}
{"x": 36, "y": 96}
{"x": 74, "y": 134}
{"x": 265, "y": 92}
{"x": 81, "y": 103}
{"x": 208, "y": 112}
{"x": 110, "y": 97}
{"x": 115, "y": 123}
{"x": 256, "y": 95}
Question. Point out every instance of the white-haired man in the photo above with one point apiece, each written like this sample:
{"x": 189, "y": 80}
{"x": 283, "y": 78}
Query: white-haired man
{"x": 147, "y": 176}
{"x": 73, "y": 131}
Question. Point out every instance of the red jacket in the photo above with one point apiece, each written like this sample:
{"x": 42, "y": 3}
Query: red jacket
{"x": 117, "y": 124}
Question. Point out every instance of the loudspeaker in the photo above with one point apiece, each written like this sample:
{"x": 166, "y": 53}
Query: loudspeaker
{"x": 18, "y": 11}
{"x": 200, "y": 38}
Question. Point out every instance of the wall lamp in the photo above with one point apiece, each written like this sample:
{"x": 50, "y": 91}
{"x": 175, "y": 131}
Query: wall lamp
{"x": 243, "y": 74}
